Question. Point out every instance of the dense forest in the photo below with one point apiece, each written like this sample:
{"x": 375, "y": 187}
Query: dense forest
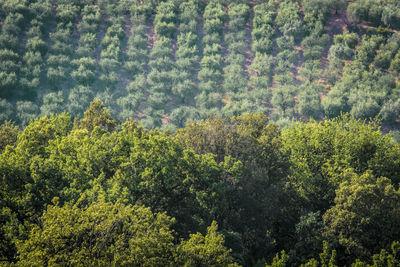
{"x": 200, "y": 133}
{"x": 219, "y": 192}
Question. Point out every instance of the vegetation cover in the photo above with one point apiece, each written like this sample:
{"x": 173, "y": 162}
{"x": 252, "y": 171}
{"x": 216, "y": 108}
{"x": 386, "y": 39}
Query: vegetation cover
{"x": 168, "y": 62}
{"x": 200, "y": 132}
{"x": 220, "y": 192}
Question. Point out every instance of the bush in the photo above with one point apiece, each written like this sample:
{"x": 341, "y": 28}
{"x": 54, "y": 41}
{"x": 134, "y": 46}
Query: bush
{"x": 36, "y": 44}
{"x": 66, "y": 13}
{"x": 309, "y": 100}
{"x": 390, "y": 111}
{"x": 79, "y": 99}
{"x": 6, "y": 111}
{"x": 53, "y": 103}
{"x": 26, "y": 111}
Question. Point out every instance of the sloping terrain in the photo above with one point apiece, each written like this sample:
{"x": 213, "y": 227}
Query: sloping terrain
{"x": 169, "y": 62}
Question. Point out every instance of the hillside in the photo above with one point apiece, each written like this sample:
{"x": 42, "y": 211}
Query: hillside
{"x": 165, "y": 63}
{"x": 153, "y": 133}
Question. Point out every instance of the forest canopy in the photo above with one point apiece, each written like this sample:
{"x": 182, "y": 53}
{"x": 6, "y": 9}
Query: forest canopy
{"x": 218, "y": 192}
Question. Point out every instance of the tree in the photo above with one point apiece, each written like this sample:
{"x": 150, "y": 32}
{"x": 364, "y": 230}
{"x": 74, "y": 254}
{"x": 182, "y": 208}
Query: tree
{"x": 309, "y": 236}
{"x": 321, "y": 153}
{"x": 99, "y": 234}
{"x": 8, "y": 135}
{"x": 6, "y": 110}
{"x": 97, "y": 115}
{"x": 327, "y": 258}
{"x": 52, "y": 104}
{"x": 79, "y": 100}
{"x": 256, "y": 195}
{"x": 384, "y": 258}
{"x": 66, "y": 12}
{"x": 261, "y": 70}
{"x": 29, "y": 179}
{"x": 309, "y": 100}
{"x": 390, "y": 111}
{"x": 337, "y": 4}
{"x": 165, "y": 19}
{"x": 189, "y": 187}
{"x": 315, "y": 10}
{"x": 26, "y": 112}
{"x": 288, "y": 18}
{"x": 183, "y": 114}
{"x": 365, "y": 216}
{"x": 279, "y": 260}
{"x": 205, "y": 250}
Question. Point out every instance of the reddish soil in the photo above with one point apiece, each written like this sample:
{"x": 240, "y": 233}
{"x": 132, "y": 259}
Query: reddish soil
{"x": 336, "y": 24}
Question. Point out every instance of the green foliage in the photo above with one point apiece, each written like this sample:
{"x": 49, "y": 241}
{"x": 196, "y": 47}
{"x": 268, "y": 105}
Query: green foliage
{"x": 309, "y": 236}
{"x": 266, "y": 190}
{"x": 256, "y": 145}
{"x": 66, "y": 13}
{"x": 327, "y": 258}
{"x": 390, "y": 111}
{"x": 205, "y": 250}
{"x": 214, "y": 17}
{"x": 361, "y": 92}
{"x": 261, "y": 71}
{"x": 8, "y": 135}
{"x": 6, "y": 110}
{"x": 97, "y": 116}
{"x": 28, "y": 180}
{"x": 59, "y": 59}
{"x": 314, "y": 44}
{"x": 279, "y": 260}
{"x": 384, "y": 258}
{"x": 99, "y": 234}
{"x": 315, "y": 10}
{"x": 364, "y": 202}
{"x": 318, "y": 170}
{"x": 26, "y": 111}
{"x": 379, "y": 13}
{"x": 110, "y": 57}
{"x": 211, "y": 72}
{"x": 169, "y": 64}
{"x": 309, "y": 100}
{"x": 79, "y": 100}
{"x": 52, "y": 104}
{"x": 288, "y": 19}
{"x": 282, "y": 97}
{"x": 165, "y": 19}
{"x": 183, "y": 114}
{"x": 234, "y": 76}
{"x": 215, "y": 72}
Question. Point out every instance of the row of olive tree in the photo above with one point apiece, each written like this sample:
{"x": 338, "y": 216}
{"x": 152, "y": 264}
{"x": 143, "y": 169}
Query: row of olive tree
{"x": 12, "y": 27}
{"x": 235, "y": 80}
{"x": 314, "y": 44}
{"x": 385, "y": 13}
{"x": 211, "y": 65}
{"x": 35, "y": 49}
{"x": 162, "y": 69}
{"x": 85, "y": 67}
{"x": 261, "y": 67}
{"x": 187, "y": 61}
{"x": 290, "y": 25}
{"x": 135, "y": 66}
